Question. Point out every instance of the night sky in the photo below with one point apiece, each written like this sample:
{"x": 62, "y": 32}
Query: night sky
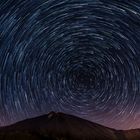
{"x": 80, "y": 57}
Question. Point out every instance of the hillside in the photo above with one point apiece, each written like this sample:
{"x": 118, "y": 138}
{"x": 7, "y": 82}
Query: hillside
{"x": 60, "y": 126}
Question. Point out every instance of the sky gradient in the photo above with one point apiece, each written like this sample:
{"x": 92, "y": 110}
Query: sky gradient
{"x": 80, "y": 57}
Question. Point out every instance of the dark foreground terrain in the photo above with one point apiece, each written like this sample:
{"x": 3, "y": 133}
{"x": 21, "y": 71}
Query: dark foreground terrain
{"x": 59, "y": 126}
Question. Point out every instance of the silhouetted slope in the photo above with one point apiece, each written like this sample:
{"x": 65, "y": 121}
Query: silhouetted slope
{"x": 59, "y": 126}
{"x": 132, "y": 134}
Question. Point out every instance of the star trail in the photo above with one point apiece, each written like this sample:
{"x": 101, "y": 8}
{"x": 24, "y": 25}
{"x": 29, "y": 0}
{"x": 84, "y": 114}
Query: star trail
{"x": 80, "y": 57}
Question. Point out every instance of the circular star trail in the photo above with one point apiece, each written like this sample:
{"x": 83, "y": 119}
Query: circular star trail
{"x": 80, "y": 57}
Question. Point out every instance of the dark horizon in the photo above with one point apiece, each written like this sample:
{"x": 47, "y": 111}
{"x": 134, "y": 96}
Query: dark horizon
{"x": 41, "y": 115}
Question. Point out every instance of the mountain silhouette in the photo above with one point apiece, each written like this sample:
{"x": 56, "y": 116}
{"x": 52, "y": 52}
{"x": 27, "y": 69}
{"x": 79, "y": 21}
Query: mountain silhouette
{"x": 60, "y": 126}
